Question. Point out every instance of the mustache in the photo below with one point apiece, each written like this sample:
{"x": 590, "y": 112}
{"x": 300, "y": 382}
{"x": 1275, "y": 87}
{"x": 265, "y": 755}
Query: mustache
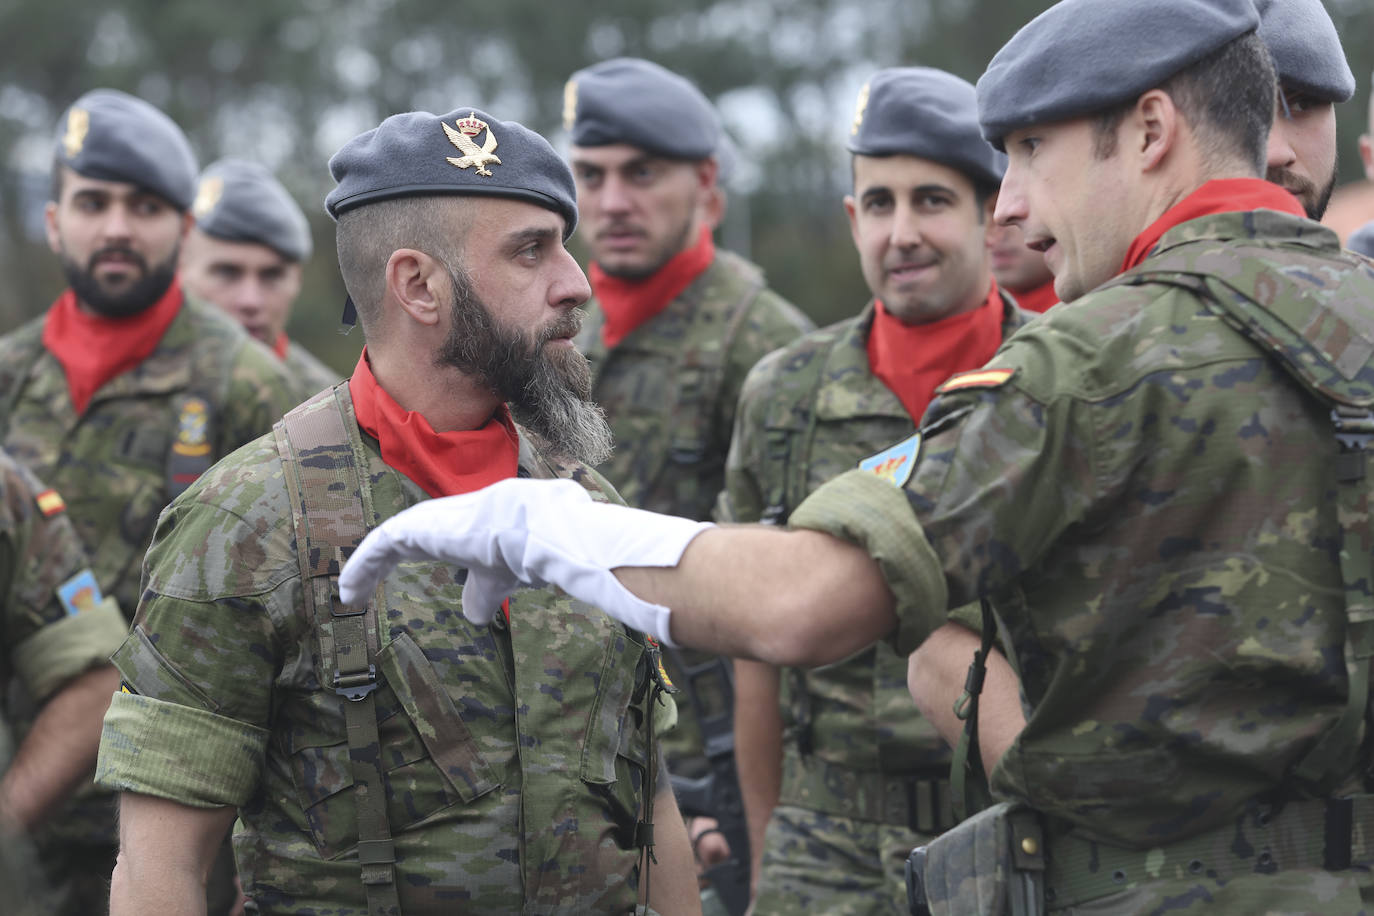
{"x": 619, "y": 227}
{"x": 566, "y": 326}
{"x": 123, "y": 251}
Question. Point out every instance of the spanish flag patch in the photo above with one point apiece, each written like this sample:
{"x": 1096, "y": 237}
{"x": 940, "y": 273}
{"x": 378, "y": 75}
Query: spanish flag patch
{"x": 50, "y": 503}
{"x": 978, "y": 378}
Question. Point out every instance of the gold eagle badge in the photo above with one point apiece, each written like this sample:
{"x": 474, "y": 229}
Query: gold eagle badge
{"x": 473, "y": 155}
{"x": 78, "y": 125}
{"x": 207, "y": 195}
{"x": 860, "y": 106}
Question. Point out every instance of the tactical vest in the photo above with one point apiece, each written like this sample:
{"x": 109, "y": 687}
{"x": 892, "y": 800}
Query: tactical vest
{"x": 669, "y": 456}
{"x": 540, "y": 770}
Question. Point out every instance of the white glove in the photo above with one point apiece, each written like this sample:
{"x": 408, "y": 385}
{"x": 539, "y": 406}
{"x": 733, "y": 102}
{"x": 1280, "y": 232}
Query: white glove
{"x": 533, "y": 533}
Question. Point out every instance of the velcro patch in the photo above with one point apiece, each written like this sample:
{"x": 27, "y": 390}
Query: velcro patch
{"x": 79, "y": 593}
{"x": 978, "y": 378}
{"x": 895, "y": 464}
{"x": 50, "y": 503}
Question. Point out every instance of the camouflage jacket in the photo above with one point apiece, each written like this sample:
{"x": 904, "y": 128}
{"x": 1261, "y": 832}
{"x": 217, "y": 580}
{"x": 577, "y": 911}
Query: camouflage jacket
{"x": 515, "y": 754}
{"x": 207, "y": 389}
{"x": 308, "y": 374}
{"x": 808, "y": 413}
{"x": 670, "y": 387}
{"x": 1149, "y": 499}
{"x": 54, "y": 622}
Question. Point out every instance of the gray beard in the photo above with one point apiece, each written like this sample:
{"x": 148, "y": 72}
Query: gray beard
{"x": 548, "y": 395}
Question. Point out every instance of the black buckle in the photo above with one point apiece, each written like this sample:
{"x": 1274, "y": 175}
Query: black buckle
{"x": 357, "y": 686}
{"x": 1354, "y": 431}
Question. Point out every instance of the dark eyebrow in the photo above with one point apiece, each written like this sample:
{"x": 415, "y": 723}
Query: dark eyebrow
{"x": 935, "y": 189}
{"x": 874, "y": 191}
{"x": 522, "y": 237}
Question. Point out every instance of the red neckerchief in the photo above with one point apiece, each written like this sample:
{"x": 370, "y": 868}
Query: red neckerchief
{"x": 93, "y": 349}
{"x": 281, "y": 346}
{"x": 913, "y": 359}
{"x": 629, "y": 303}
{"x": 443, "y": 464}
{"x": 1223, "y": 195}
{"x": 1038, "y": 299}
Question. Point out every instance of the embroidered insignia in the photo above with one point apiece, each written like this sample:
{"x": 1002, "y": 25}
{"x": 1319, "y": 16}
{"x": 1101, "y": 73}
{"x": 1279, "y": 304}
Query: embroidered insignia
{"x": 895, "y": 464}
{"x": 50, "y": 503}
{"x": 479, "y": 158}
{"x": 207, "y": 195}
{"x": 978, "y": 378}
{"x": 859, "y": 108}
{"x": 191, "y": 429}
{"x": 79, "y": 593}
{"x": 569, "y": 104}
{"x": 78, "y": 125}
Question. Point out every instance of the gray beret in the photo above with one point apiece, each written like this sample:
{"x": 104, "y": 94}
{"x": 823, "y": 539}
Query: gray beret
{"x": 112, "y": 136}
{"x": 1306, "y": 49}
{"x": 1080, "y": 57}
{"x": 467, "y": 151}
{"x": 628, "y": 100}
{"x": 920, "y": 111}
{"x": 1362, "y": 240}
{"x": 240, "y": 201}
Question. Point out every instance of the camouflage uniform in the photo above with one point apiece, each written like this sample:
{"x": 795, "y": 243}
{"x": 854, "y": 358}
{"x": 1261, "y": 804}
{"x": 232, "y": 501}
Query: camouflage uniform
{"x": 865, "y": 778}
{"x": 515, "y": 754}
{"x": 117, "y": 463}
{"x": 309, "y": 375}
{"x": 46, "y": 642}
{"x": 669, "y": 390}
{"x": 1150, "y": 501}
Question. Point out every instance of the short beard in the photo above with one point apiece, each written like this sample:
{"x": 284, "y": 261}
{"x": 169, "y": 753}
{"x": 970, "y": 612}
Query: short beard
{"x": 672, "y": 248}
{"x": 1313, "y": 201}
{"x": 137, "y": 298}
{"x": 549, "y": 396}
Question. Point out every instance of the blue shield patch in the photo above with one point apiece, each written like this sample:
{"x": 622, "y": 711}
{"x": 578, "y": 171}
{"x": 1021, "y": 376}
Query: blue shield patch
{"x": 79, "y": 593}
{"x": 895, "y": 464}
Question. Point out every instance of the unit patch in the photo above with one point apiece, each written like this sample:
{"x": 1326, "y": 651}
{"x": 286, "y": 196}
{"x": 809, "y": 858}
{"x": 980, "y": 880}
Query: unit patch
{"x": 978, "y": 378}
{"x": 79, "y": 593}
{"x": 895, "y": 464}
{"x": 50, "y": 503}
{"x": 191, "y": 429}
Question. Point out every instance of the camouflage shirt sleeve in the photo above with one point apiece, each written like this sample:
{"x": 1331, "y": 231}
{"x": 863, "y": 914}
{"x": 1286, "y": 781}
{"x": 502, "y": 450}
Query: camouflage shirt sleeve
{"x": 742, "y": 500}
{"x": 1002, "y": 472}
{"x": 260, "y": 391}
{"x": 192, "y": 719}
{"x": 49, "y": 638}
{"x": 772, "y": 322}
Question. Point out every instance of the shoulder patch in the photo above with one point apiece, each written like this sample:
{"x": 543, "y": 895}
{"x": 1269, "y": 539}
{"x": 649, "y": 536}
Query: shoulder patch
{"x": 978, "y": 378}
{"x": 895, "y": 464}
{"x": 79, "y": 593}
{"x": 50, "y": 503}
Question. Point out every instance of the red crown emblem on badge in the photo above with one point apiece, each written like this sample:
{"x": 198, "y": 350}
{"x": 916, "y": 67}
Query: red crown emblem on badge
{"x": 471, "y": 125}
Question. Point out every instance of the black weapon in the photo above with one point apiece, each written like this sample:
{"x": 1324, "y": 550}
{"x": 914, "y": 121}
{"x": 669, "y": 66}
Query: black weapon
{"x": 717, "y": 793}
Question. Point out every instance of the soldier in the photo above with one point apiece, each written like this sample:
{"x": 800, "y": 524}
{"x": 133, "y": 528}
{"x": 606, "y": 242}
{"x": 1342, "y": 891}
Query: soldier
{"x": 57, "y": 631}
{"x": 1019, "y": 270}
{"x": 862, "y": 778}
{"x": 1313, "y": 76}
{"x": 518, "y": 769}
{"x": 125, "y": 390}
{"x": 1161, "y": 486}
{"x": 245, "y": 253}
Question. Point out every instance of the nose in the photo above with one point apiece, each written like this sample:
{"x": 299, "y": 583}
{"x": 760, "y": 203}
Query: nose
{"x": 116, "y": 225}
{"x": 1011, "y": 209}
{"x": 247, "y": 296}
{"x": 1279, "y": 154}
{"x": 906, "y": 226}
{"x": 614, "y": 196}
{"x": 570, "y": 289}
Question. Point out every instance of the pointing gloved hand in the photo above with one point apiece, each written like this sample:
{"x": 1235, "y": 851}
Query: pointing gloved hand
{"x": 528, "y": 533}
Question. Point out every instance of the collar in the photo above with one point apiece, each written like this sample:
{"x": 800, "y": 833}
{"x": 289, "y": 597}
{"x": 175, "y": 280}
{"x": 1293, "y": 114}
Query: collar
{"x": 1225, "y": 195}
{"x": 93, "y": 349}
{"x": 281, "y": 345}
{"x": 627, "y": 304}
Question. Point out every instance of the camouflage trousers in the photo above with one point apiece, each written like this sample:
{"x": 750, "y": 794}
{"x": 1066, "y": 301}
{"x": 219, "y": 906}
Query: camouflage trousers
{"x": 822, "y": 863}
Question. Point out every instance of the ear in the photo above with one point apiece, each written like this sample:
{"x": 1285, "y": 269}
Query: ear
{"x": 850, "y": 210}
{"x": 1367, "y": 154}
{"x": 1157, "y": 126}
{"x": 187, "y": 221}
{"x": 50, "y": 226}
{"x": 413, "y": 281}
{"x": 707, "y": 171}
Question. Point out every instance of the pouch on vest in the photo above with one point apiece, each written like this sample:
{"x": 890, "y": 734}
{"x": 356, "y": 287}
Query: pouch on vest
{"x": 993, "y": 864}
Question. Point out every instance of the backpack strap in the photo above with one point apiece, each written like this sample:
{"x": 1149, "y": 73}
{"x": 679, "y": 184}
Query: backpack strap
{"x": 317, "y": 452}
{"x": 1322, "y": 341}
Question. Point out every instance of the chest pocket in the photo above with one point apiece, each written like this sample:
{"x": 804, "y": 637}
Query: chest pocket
{"x": 429, "y": 758}
{"x": 616, "y": 747}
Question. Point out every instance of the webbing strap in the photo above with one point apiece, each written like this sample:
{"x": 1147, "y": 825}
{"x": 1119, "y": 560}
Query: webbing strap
{"x": 969, "y": 796}
{"x": 1333, "y": 756}
{"x": 312, "y": 486}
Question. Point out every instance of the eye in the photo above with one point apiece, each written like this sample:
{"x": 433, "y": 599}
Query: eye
{"x": 147, "y": 206}
{"x": 877, "y": 203}
{"x": 1028, "y": 144}
{"x": 1300, "y": 103}
{"x": 932, "y": 201}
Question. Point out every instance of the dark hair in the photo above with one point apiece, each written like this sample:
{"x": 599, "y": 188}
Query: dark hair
{"x": 1227, "y": 98}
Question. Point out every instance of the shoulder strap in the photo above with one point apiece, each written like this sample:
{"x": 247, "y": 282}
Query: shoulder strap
{"x": 316, "y": 451}
{"x": 1323, "y": 347}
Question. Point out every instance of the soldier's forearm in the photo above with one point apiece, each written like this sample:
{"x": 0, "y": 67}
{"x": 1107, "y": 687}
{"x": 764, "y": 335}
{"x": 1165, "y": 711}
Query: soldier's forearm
{"x": 763, "y": 593}
{"x": 58, "y": 754}
{"x": 165, "y": 853}
{"x": 673, "y": 881}
{"x": 758, "y": 751}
